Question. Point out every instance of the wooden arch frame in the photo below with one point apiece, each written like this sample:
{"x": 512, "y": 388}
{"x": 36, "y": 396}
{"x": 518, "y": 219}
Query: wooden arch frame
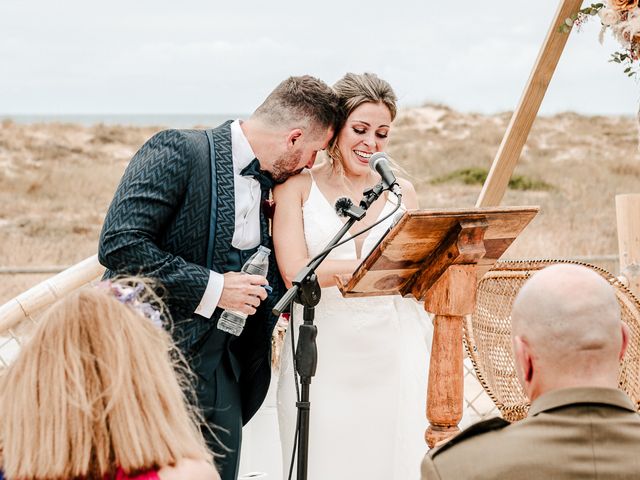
{"x": 522, "y": 119}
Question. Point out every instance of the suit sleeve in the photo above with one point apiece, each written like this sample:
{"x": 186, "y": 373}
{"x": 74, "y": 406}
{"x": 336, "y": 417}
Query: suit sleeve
{"x": 145, "y": 202}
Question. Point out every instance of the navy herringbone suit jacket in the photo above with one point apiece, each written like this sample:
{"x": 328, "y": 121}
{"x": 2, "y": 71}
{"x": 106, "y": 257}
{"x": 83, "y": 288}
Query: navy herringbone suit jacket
{"x": 174, "y": 207}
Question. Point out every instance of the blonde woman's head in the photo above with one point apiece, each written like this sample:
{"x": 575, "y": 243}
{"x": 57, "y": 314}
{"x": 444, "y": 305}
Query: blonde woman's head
{"x": 95, "y": 389}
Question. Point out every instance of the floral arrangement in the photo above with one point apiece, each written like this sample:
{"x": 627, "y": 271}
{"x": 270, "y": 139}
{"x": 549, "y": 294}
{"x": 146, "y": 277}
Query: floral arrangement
{"x": 277, "y": 340}
{"x": 622, "y": 17}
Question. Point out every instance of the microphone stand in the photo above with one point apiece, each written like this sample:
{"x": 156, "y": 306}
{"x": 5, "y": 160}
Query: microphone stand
{"x": 306, "y": 291}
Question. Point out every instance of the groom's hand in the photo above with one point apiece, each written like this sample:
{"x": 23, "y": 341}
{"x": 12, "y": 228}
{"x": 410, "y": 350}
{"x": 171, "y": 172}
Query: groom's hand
{"x": 242, "y": 292}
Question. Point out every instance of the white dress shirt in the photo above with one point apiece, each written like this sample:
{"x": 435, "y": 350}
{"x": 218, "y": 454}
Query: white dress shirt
{"x": 247, "y": 212}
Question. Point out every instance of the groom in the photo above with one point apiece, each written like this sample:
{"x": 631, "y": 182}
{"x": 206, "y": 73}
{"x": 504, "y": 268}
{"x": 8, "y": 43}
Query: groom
{"x": 188, "y": 213}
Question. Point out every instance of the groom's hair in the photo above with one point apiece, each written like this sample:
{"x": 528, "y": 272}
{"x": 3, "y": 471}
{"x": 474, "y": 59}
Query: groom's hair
{"x": 300, "y": 102}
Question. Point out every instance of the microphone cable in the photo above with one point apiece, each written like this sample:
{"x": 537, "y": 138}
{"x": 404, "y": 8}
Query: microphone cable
{"x": 296, "y": 382}
{"x": 357, "y": 234}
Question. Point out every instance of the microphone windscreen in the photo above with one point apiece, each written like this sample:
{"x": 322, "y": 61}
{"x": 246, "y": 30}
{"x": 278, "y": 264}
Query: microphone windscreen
{"x": 342, "y": 205}
{"x": 375, "y": 158}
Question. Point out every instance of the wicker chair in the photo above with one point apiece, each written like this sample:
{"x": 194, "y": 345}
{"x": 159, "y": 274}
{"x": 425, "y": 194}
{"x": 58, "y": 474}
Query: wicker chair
{"x": 488, "y": 334}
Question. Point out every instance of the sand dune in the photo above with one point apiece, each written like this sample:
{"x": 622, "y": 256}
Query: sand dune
{"x": 56, "y": 180}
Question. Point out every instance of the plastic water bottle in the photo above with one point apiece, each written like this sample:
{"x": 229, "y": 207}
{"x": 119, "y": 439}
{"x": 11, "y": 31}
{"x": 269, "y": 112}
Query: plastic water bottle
{"x": 258, "y": 264}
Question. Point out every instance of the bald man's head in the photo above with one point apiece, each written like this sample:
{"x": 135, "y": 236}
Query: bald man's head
{"x": 566, "y": 330}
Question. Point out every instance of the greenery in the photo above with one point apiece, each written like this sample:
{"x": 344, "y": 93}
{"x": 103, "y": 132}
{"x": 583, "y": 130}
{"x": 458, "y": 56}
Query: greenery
{"x": 626, "y": 60}
{"x": 477, "y": 176}
{"x": 579, "y": 17}
{"x": 627, "y": 57}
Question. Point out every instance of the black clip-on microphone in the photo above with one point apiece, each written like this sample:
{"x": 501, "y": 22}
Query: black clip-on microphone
{"x": 306, "y": 291}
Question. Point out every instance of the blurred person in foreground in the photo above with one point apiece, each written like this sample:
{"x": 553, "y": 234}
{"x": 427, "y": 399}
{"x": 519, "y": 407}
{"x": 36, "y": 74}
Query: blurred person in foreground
{"x": 97, "y": 393}
{"x": 568, "y": 340}
{"x": 189, "y": 211}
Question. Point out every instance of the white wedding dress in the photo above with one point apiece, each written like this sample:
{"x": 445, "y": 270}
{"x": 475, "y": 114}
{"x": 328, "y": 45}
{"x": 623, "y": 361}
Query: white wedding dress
{"x": 368, "y": 396}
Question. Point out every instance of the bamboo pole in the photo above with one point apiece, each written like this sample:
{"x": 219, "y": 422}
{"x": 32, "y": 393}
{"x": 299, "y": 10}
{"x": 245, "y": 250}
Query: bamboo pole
{"x": 628, "y": 218}
{"x": 31, "y": 270}
{"x": 520, "y": 125}
{"x": 48, "y": 291}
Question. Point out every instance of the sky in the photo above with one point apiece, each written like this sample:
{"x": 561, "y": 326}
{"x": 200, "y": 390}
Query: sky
{"x": 212, "y": 57}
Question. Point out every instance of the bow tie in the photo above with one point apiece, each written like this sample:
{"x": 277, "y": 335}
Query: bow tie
{"x": 264, "y": 178}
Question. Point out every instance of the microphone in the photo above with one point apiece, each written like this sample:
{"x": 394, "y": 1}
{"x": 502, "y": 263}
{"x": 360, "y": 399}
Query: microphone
{"x": 379, "y": 162}
{"x": 342, "y": 205}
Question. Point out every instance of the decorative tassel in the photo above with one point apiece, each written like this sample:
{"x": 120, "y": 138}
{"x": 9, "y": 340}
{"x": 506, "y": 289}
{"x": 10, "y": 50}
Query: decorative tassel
{"x": 601, "y": 34}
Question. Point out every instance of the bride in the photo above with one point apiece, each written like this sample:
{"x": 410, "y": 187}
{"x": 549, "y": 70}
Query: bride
{"x": 368, "y": 396}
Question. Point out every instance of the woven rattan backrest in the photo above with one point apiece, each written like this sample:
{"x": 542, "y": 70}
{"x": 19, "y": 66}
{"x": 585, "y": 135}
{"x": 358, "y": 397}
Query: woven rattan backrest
{"x": 488, "y": 334}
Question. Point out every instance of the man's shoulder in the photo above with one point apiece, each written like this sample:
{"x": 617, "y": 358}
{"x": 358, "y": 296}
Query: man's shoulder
{"x": 475, "y": 431}
{"x": 175, "y": 137}
{"x": 178, "y": 141}
{"x": 184, "y": 133}
{"x": 461, "y": 456}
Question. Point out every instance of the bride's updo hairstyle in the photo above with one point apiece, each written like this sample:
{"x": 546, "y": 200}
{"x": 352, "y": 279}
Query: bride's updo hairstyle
{"x": 95, "y": 389}
{"x": 353, "y": 90}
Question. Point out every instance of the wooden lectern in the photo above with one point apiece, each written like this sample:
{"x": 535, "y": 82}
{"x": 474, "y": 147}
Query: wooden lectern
{"x": 438, "y": 256}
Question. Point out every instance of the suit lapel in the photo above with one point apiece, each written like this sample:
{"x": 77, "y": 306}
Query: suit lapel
{"x": 224, "y": 195}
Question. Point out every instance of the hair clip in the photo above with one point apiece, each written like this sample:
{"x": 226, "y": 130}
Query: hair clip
{"x": 130, "y": 295}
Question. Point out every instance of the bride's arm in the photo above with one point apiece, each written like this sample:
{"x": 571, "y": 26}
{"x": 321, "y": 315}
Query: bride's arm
{"x": 288, "y": 235}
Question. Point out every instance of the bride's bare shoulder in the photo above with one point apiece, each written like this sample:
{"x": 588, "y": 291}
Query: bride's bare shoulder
{"x": 296, "y": 185}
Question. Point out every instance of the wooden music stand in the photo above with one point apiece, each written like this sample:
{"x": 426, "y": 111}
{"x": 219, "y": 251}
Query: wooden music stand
{"x": 438, "y": 256}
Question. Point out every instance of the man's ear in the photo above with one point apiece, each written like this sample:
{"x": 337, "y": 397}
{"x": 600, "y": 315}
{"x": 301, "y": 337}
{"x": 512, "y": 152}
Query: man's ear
{"x": 626, "y": 334}
{"x": 293, "y": 137}
{"x": 523, "y": 359}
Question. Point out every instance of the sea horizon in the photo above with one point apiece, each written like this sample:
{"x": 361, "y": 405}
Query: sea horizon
{"x": 174, "y": 120}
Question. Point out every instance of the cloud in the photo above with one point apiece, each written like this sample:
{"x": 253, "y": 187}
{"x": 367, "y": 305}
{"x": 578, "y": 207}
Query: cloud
{"x": 202, "y": 56}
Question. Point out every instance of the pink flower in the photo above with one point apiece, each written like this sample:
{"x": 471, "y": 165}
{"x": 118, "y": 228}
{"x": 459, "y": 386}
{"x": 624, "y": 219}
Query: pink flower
{"x": 608, "y": 16}
{"x": 623, "y": 5}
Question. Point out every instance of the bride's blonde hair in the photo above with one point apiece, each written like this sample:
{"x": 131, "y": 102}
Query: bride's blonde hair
{"x": 354, "y": 90}
{"x": 95, "y": 389}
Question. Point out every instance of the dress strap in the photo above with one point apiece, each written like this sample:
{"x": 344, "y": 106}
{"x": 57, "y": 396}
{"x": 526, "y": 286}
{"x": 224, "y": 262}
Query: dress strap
{"x": 313, "y": 180}
{"x": 313, "y": 186}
